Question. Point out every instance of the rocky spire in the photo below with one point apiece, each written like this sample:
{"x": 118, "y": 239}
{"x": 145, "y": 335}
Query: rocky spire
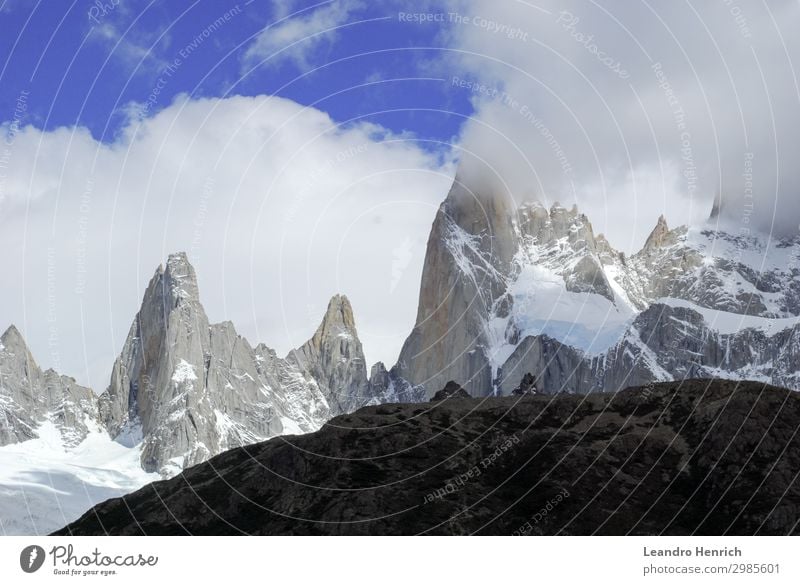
{"x": 17, "y": 358}
{"x": 659, "y": 234}
{"x": 180, "y": 280}
{"x": 12, "y": 337}
{"x": 547, "y": 226}
{"x": 157, "y": 387}
{"x": 469, "y": 256}
{"x": 490, "y": 217}
{"x": 334, "y": 357}
{"x": 338, "y": 321}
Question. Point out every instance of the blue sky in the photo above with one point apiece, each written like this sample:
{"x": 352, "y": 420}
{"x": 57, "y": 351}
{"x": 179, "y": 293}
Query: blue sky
{"x": 86, "y": 65}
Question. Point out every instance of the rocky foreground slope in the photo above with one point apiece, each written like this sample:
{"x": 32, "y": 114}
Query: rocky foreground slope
{"x": 692, "y": 457}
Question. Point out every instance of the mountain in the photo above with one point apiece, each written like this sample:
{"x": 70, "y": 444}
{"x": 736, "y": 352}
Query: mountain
{"x": 191, "y": 389}
{"x": 56, "y": 456}
{"x": 693, "y": 457}
{"x": 184, "y": 389}
{"x": 29, "y": 397}
{"x": 335, "y": 359}
{"x": 468, "y": 260}
{"x": 181, "y": 391}
{"x": 508, "y": 291}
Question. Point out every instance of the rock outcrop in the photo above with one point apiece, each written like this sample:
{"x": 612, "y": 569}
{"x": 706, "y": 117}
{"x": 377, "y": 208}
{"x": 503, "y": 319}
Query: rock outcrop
{"x": 528, "y": 385}
{"x": 659, "y": 236}
{"x": 162, "y": 385}
{"x": 451, "y": 390}
{"x": 704, "y": 457}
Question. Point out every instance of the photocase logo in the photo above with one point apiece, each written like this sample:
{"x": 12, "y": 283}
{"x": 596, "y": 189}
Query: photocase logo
{"x": 31, "y": 558}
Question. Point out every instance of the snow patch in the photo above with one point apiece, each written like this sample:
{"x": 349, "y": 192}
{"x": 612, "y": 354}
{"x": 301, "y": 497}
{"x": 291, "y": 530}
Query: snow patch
{"x": 184, "y": 372}
{"x": 727, "y": 323}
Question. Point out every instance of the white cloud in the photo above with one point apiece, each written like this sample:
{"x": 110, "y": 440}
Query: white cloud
{"x": 278, "y": 207}
{"x": 138, "y": 51}
{"x": 633, "y": 110}
{"x": 296, "y": 37}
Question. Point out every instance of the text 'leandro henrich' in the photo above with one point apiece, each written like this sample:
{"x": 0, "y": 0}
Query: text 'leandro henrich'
{"x": 699, "y": 551}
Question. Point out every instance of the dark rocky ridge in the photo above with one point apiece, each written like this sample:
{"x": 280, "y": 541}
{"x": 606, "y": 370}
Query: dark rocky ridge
{"x": 692, "y": 457}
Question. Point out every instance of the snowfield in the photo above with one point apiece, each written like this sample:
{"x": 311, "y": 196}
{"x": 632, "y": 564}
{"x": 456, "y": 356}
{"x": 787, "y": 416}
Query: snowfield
{"x": 44, "y": 486}
{"x": 727, "y": 323}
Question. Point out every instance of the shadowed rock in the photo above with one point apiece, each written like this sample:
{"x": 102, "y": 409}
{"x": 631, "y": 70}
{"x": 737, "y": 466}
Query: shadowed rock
{"x": 451, "y": 390}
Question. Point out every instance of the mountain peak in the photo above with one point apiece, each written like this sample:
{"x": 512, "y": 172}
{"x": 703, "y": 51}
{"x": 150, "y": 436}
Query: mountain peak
{"x": 29, "y": 397}
{"x": 339, "y": 315}
{"x": 13, "y": 339}
{"x": 658, "y": 235}
{"x": 180, "y": 277}
{"x": 335, "y": 359}
{"x": 177, "y": 258}
{"x": 11, "y": 333}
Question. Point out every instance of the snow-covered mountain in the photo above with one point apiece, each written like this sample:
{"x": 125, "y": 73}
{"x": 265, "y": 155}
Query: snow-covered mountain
{"x": 506, "y": 291}
{"x": 181, "y": 391}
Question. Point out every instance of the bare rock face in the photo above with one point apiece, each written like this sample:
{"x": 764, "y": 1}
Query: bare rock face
{"x": 296, "y": 394}
{"x": 388, "y": 386}
{"x": 736, "y": 273}
{"x": 563, "y": 241}
{"x": 527, "y": 386}
{"x": 159, "y": 388}
{"x": 470, "y": 251}
{"x": 30, "y": 397}
{"x": 659, "y": 236}
{"x": 379, "y": 379}
{"x": 587, "y": 276}
{"x": 548, "y": 227}
{"x": 335, "y": 359}
{"x": 558, "y": 367}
